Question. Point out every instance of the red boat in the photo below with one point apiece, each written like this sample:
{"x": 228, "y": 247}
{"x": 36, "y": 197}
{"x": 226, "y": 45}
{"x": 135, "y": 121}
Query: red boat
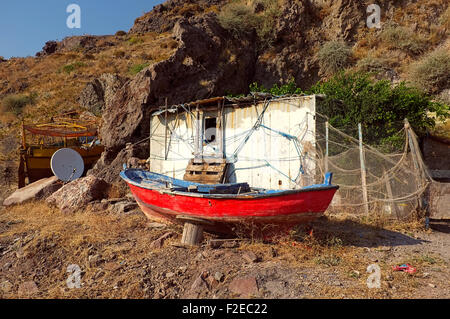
{"x": 228, "y": 208}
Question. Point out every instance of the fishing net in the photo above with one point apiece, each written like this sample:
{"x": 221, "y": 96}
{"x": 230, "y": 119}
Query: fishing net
{"x": 371, "y": 180}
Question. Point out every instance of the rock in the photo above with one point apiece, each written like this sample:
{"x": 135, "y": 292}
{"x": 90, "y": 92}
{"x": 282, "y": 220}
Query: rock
{"x": 110, "y": 164}
{"x": 198, "y": 284}
{"x": 432, "y": 285}
{"x": 78, "y": 194}
{"x": 50, "y": 47}
{"x": 92, "y": 97}
{"x": 170, "y": 275}
{"x": 158, "y": 243}
{"x": 6, "y": 286}
{"x": 212, "y": 282}
{"x": 123, "y": 207}
{"x": 6, "y": 266}
{"x": 250, "y": 257}
{"x": 100, "y": 92}
{"x": 134, "y": 162}
{"x": 164, "y": 16}
{"x": 99, "y": 206}
{"x": 182, "y": 269}
{"x": 277, "y": 288}
{"x": 156, "y": 225}
{"x": 244, "y": 286}
{"x": 219, "y": 276}
{"x": 28, "y": 288}
{"x": 206, "y": 72}
{"x": 37, "y": 190}
{"x": 337, "y": 283}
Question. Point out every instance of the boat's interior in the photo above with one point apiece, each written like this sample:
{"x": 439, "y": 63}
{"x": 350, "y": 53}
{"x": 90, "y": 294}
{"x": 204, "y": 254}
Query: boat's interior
{"x": 158, "y": 181}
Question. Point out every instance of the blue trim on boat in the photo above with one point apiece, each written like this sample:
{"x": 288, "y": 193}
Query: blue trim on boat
{"x": 154, "y": 181}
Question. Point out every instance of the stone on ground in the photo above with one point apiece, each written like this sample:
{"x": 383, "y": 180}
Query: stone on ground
{"x": 37, "y": 190}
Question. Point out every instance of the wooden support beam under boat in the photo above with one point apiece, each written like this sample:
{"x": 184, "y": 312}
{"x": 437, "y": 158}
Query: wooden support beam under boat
{"x": 193, "y": 230}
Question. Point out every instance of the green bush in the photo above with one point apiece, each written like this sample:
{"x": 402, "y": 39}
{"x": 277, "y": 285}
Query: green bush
{"x": 432, "y": 72}
{"x": 403, "y": 39}
{"x": 285, "y": 89}
{"x": 333, "y": 57}
{"x": 135, "y": 69}
{"x": 69, "y": 68}
{"x": 15, "y": 103}
{"x": 352, "y": 98}
{"x": 135, "y": 40}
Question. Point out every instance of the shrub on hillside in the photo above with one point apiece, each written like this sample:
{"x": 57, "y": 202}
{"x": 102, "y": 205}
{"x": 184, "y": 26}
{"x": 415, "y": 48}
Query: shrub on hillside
{"x": 238, "y": 18}
{"x": 135, "y": 69}
{"x": 135, "y": 40}
{"x": 445, "y": 18}
{"x": 69, "y": 68}
{"x": 121, "y": 33}
{"x": 270, "y": 12}
{"x": 371, "y": 64}
{"x": 15, "y": 103}
{"x": 333, "y": 57}
{"x": 432, "y": 72}
{"x": 404, "y": 39}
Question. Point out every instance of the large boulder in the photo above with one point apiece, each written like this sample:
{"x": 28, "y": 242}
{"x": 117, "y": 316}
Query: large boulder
{"x": 35, "y": 191}
{"x": 50, "y": 47}
{"x": 100, "y": 92}
{"x": 79, "y": 193}
{"x": 110, "y": 163}
{"x": 164, "y": 16}
{"x": 211, "y": 62}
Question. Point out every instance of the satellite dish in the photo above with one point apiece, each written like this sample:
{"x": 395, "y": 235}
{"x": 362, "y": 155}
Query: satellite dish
{"x": 67, "y": 164}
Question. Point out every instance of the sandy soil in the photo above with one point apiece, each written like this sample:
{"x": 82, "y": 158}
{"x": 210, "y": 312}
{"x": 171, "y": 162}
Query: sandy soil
{"x": 118, "y": 258}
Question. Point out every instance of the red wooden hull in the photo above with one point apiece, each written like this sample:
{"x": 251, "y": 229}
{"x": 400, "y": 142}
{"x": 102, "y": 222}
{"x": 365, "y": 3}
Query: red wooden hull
{"x": 278, "y": 211}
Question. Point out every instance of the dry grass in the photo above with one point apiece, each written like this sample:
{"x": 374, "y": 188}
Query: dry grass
{"x": 45, "y": 242}
{"x": 49, "y": 241}
{"x": 432, "y": 72}
{"x": 58, "y": 79}
{"x": 50, "y": 222}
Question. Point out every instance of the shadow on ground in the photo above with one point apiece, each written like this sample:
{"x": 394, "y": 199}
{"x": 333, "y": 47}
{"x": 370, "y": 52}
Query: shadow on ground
{"x": 353, "y": 233}
{"x": 442, "y": 226}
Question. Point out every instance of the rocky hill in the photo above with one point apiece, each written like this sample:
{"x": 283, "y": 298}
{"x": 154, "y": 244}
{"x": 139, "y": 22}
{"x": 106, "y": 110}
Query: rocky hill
{"x": 185, "y": 50}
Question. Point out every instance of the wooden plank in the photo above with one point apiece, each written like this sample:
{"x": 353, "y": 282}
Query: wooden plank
{"x": 363, "y": 171}
{"x": 206, "y": 172}
{"x": 195, "y": 168}
{"x": 218, "y": 169}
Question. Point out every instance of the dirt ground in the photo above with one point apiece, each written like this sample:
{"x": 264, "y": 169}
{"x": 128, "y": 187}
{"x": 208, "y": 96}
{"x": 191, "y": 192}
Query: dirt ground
{"x": 119, "y": 256}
